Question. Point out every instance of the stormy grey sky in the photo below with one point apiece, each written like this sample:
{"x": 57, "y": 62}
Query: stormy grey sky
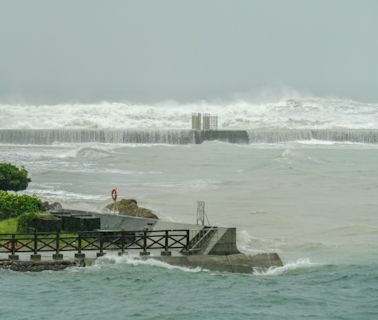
{"x": 147, "y": 51}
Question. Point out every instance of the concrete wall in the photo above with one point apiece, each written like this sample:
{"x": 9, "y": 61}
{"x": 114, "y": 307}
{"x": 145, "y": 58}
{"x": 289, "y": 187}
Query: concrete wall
{"x": 240, "y": 263}
{"x": 223, "y": 242}
{"x": 231, "y": 136}
{"x": 120, "y": 222}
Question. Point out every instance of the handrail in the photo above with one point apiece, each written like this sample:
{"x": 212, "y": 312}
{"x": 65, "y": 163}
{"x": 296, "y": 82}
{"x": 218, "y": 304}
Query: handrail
{"x": 91, "y": 232}
{"x": 193, "y": 248}
{"x": 95, "y": 240}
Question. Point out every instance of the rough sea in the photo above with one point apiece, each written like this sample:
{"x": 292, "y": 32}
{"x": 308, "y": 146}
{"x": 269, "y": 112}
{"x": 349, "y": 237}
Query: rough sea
{"x": 314, "y": 202}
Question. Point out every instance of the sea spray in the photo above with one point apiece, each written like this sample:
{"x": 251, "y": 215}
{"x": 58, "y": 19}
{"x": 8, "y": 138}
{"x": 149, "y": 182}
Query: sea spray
{"x": 298, "y": 113}
{"x": 135, "y": 260}
{"x": 300, "y": 264}
{"x": 251, "y": 245}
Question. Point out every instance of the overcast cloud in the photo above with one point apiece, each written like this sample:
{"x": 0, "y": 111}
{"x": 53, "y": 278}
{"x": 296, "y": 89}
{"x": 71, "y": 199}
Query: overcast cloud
{"x": 148, "y": 51}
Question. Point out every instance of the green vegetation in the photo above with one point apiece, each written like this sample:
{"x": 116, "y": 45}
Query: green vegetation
{"x": 13, "y": 178}
{"x": 8, "y": 226}
{"x": 13, "y": 205}
{"x": 25, "y": 220}
{"x": 43, "y": 222}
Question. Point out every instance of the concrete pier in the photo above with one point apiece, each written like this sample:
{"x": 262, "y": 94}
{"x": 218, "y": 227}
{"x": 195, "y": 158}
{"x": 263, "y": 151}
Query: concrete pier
{"x": 239, "y": 263}
{"x": 181, "y": 244}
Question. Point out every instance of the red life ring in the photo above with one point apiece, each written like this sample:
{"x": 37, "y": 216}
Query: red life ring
{"x": 114, "y": 194}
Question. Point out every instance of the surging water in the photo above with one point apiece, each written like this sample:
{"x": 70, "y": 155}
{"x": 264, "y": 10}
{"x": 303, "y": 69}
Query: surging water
{"x": 313, "y": 202}
{"x": 124, "y": 290}
{"x": 302, "y": 200}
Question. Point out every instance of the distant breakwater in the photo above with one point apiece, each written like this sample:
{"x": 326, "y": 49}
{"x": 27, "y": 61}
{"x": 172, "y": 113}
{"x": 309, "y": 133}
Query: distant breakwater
{"x": 184, "y": 136}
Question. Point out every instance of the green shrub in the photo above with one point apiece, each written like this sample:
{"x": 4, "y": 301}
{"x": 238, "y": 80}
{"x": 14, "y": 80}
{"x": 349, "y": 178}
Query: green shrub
{"x": 25, "y": 221}
{"x": 13, "y": 178}
{"x": 13, "y": 205}
{"x": 40, "y": 222}
{"x": 8, "y": 225}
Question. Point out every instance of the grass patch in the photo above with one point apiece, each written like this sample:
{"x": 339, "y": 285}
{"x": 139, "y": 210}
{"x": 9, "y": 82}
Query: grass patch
{"x": 9, "y": 225}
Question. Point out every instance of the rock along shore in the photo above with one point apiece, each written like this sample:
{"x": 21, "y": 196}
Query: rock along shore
{"x": 37, "y": 266}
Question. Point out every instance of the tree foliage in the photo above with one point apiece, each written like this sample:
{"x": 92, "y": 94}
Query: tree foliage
{"x": 25, "y": 221}
{"x": 13, "y": 178}
{"x": 14, "y": 205}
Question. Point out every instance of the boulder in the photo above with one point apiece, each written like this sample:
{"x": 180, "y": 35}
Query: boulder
{"x": 129, "y": 207}
{"x": 54, "y": 206}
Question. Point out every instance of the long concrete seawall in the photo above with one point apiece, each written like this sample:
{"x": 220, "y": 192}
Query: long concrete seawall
{"x": 184, "y": 136}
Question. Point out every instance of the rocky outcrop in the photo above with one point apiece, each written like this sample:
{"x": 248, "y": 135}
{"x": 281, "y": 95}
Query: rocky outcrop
{"x": 37, "y": 266}
{"x": 129, "y": 207}
{"x": 54, "y": 206}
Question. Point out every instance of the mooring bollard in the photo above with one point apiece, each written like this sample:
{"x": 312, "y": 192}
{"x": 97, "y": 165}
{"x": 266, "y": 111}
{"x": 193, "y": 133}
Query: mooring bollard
{"x": 14, "y": 257}
{"x": 79, "y": 256}
{"x": 57, "y": 256}
{"x": 35, "y": 257}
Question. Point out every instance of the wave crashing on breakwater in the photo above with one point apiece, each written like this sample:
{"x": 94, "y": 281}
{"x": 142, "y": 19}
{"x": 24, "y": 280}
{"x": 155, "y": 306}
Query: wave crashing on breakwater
{"x": 181, "y": 137}
{"x": 287, "y": 112}
{"x": 51, "y": 136}
{"x": 332, "y": 135}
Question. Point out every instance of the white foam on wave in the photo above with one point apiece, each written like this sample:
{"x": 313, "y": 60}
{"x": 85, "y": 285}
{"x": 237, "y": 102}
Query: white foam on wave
{"x": 253, "y": 245}
{"x": 299, "y": 112}
{"x": 136, "y": 261}
{"x": 288, "y": 267}
{"x": 63, "y": 195}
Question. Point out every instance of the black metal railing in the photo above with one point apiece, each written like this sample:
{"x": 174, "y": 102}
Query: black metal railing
{"x": 94, "y": 241}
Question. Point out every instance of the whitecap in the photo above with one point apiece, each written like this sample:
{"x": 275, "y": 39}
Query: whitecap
{"x": 287, "y": 267}
{"x": 137, "y": 261}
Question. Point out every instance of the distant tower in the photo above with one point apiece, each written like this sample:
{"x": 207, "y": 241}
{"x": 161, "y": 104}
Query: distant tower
{"x": 213, "y": 122}
{"x": 206, "y": 121}
{"x": 210, "y": 121}
{"x": 196, "y": 121}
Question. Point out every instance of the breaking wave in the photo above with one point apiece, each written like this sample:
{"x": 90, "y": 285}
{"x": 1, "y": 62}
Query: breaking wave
{"x": 310, "y": 120}
{"x": 136, "y": 261}
{"x": 300, "y": 264}
{"x": 253, "y": 245}
{"x": 297, "y": 113}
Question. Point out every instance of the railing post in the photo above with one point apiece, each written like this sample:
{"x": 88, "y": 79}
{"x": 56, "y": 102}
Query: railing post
{"x": 144, "y": 252}
{"x": 13, "y": 256}
{"x": 35, "y": 242}
{"x": 144, "y": 241}
{"x": 13, "y": 244}
{"x": 101, "y": 240}
{"x": 166, "y": 241}
{"x": 57, "y": 240}
{"x": 166, "y": 252}
{"x": 57, "y": 255}
{"x": 79, "y": 243}
{"x": 79, "y": 256}
{"x": 123, "y": 241}
{"x": 187, "y": 239}
{"x": 35, "y": 256}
